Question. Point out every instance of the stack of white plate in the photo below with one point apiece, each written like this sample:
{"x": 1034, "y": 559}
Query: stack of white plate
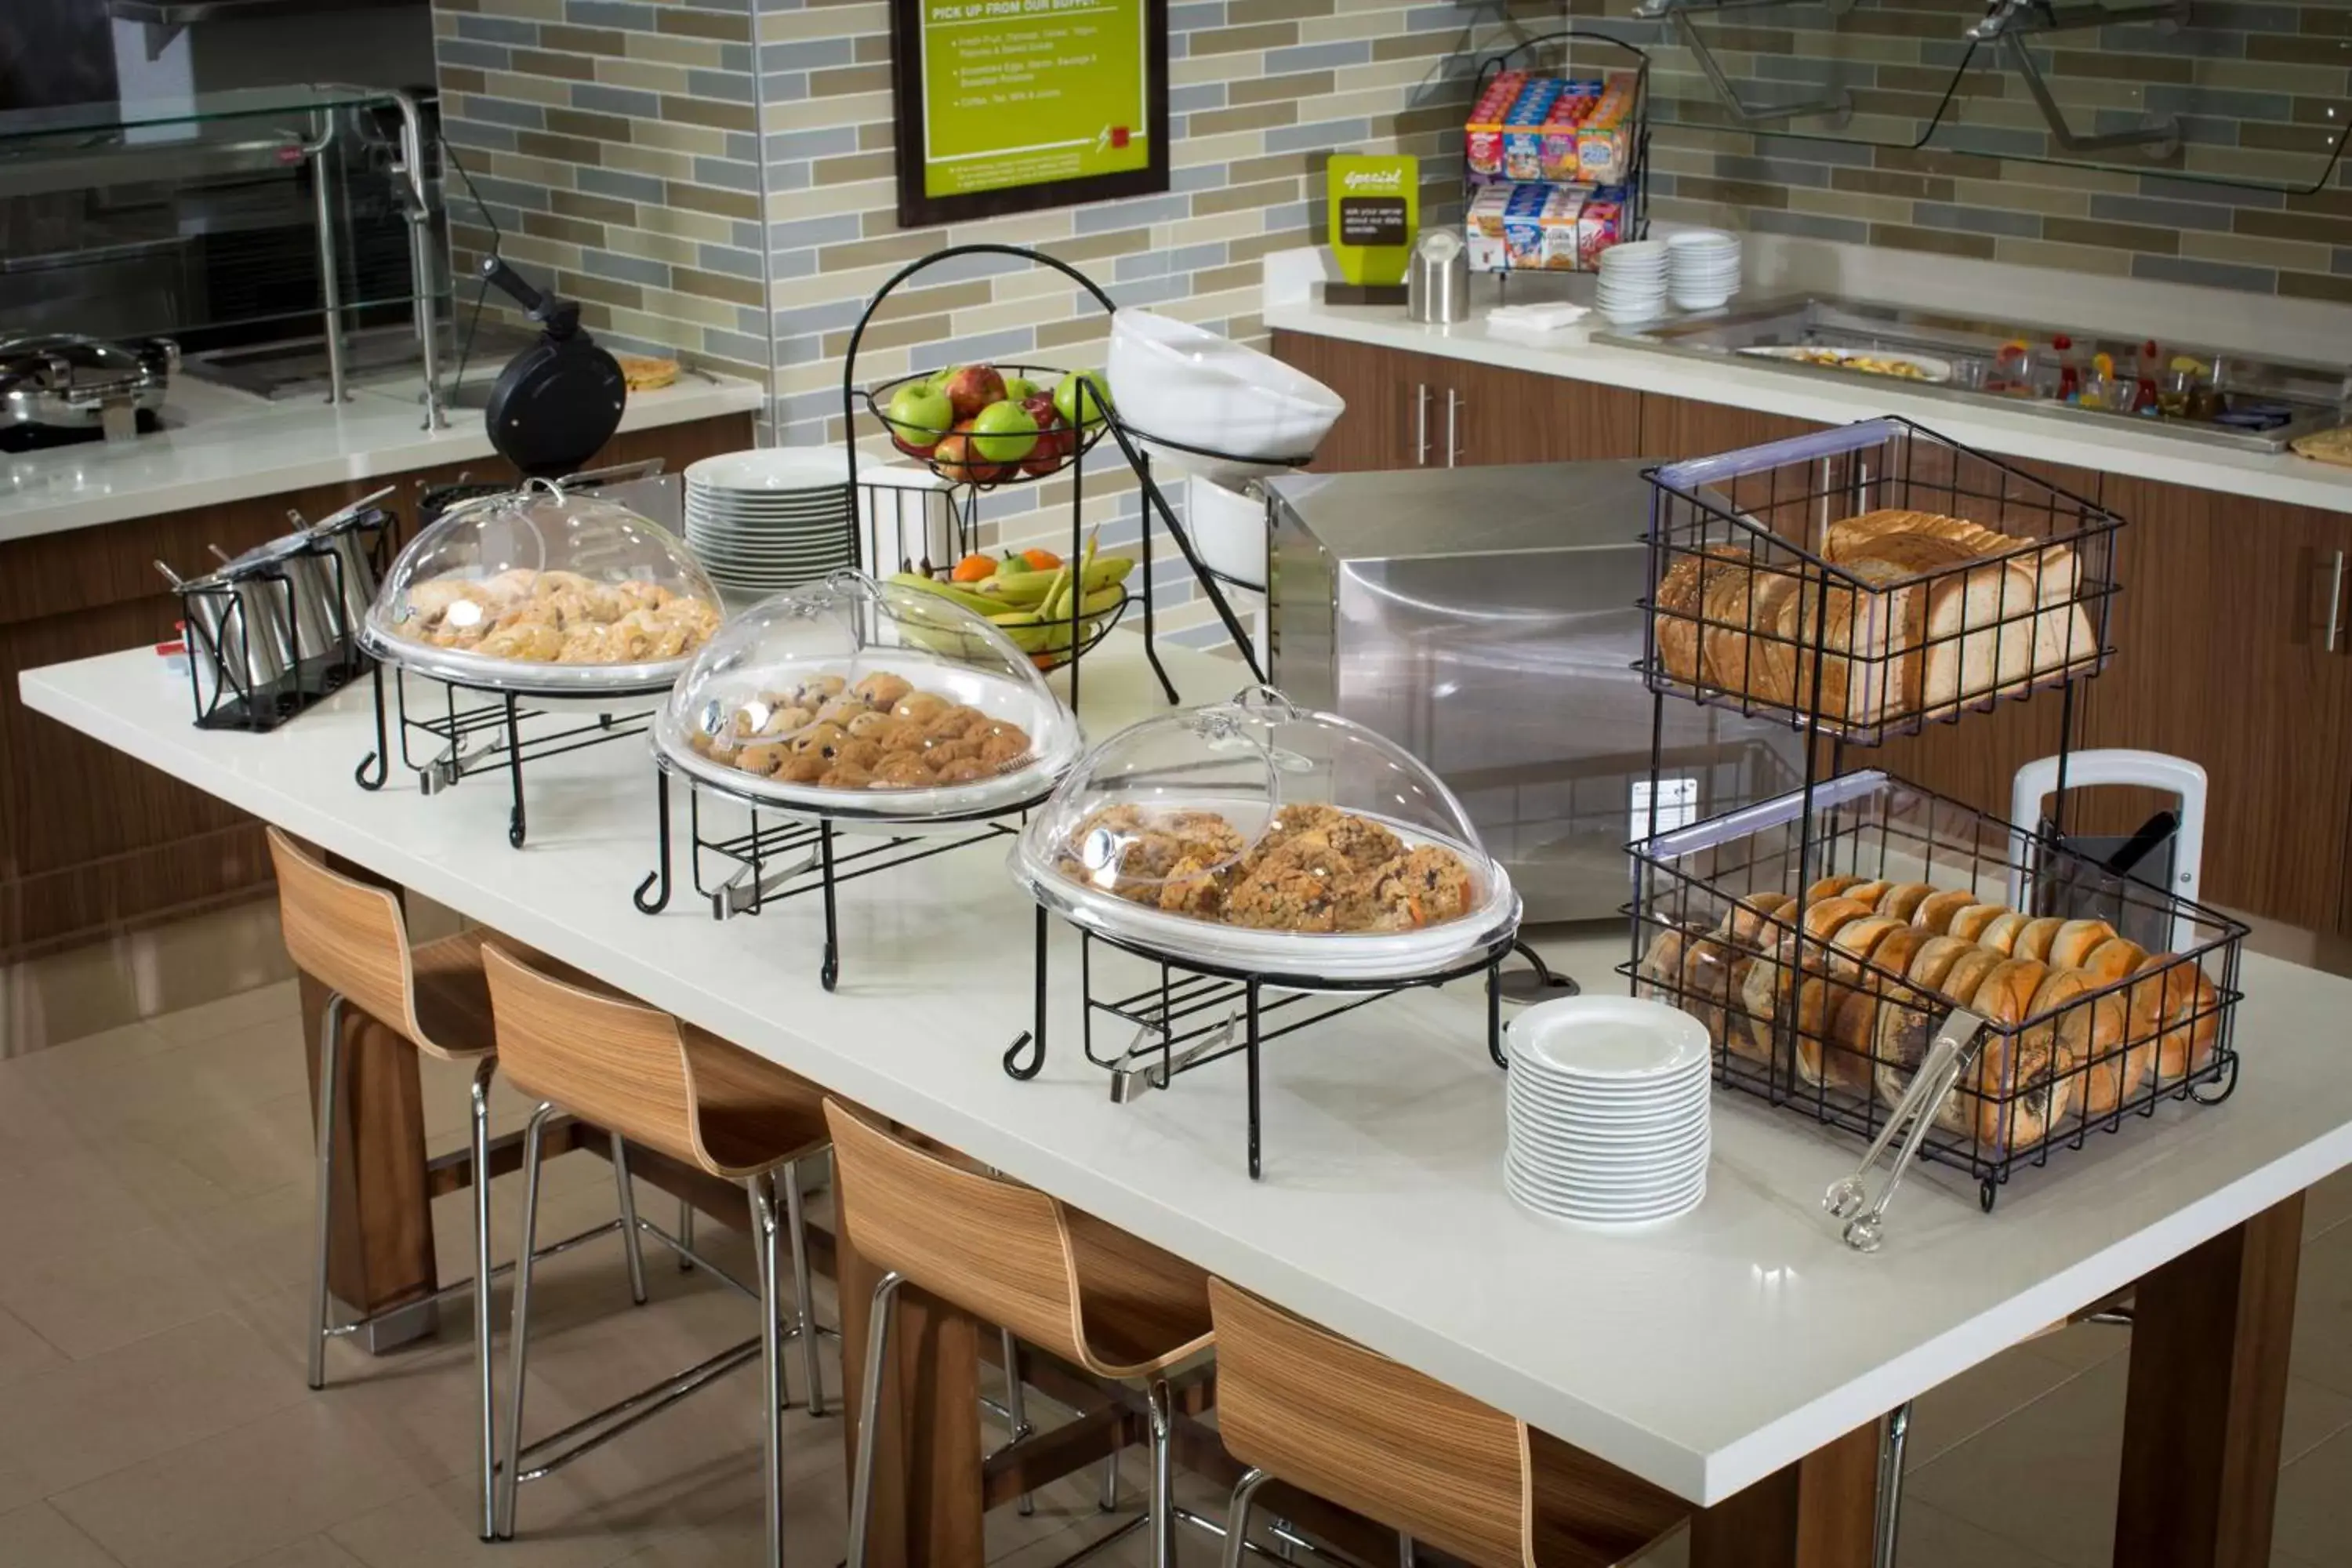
{"x": 1633, "y": 280}
{"x": 764, "y": 521}
{"x": 1608, "y": 1110}
{"x": 1702, "y": 268}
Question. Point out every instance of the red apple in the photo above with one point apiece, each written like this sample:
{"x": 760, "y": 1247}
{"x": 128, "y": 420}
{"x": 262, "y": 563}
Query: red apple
{"x": 1055, "y": 440}
{"x": 973, "y": 388}
{"x": 959, "y": 463}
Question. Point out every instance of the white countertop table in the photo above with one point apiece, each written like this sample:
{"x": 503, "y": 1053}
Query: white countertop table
{"x": 1703, "y": 1355}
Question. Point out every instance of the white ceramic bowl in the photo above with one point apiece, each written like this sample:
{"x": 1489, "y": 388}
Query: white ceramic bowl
{"x": 1228, "y": 528}
{"x": 1187, "y": 385}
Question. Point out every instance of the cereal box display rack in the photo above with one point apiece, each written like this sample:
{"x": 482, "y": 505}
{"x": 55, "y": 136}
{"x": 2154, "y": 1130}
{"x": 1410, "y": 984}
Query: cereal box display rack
{"x": 1558, "y": 164}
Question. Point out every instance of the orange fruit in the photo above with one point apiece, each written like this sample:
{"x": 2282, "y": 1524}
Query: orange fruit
{"x": 1042, "y": 560}
{"x": 974, "y": 567}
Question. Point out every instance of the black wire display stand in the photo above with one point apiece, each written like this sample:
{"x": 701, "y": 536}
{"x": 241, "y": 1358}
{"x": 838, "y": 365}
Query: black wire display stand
{"x": 1198, "y": 1012}
{"x": 786, "y": 855}
{"x": 1127, "y": 438}
{"x": 490, "y": 730}
{"x": 1731, "y": 534}
{"x": 1635, "y": 223}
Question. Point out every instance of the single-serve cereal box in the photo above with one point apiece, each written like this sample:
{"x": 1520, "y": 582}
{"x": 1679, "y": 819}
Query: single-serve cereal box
{"x": 1484, "y": 142}
{"x": 1567, "y": 111}
{"x": 1605, "y": 143}
{"x": 1524, "y": 226}
{"x": 1523, "y": 128}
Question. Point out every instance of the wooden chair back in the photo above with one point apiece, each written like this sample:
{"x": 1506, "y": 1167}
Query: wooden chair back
{"x": 610, "y": 1061}
{"x": 1335, "y": 1419}
{"x": 995, "y": 1248}
{"x": 348, "y": 936}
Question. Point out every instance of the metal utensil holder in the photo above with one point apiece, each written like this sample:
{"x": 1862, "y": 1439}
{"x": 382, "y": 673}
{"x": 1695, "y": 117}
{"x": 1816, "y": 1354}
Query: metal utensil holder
{"x": 251, "y": 665}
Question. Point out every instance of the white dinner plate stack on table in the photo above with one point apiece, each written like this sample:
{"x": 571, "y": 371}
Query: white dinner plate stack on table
{"x": 1633, "y": 280}
{"x": 1702, "y": 268}
{"x": 1608, "y": 1110}
{"x": 764, "y": 521}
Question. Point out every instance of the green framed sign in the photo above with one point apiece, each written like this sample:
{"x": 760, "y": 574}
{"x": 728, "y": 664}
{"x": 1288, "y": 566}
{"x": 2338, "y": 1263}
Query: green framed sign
{"x": 1006, "y": 106}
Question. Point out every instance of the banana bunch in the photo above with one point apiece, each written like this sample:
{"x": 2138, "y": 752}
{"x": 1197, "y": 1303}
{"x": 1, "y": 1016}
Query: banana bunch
{"x": 1034, "y": 608}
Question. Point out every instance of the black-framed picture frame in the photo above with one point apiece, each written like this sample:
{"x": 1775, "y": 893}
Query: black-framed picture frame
{"x": 1011, "y": 106}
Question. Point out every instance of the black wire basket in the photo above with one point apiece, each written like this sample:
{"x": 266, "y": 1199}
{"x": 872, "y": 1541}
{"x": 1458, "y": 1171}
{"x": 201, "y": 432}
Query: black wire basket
{"x": 2088, "y": 1039}
{"x": 1055, "y": 451}
{"x": 1785, "y": 581}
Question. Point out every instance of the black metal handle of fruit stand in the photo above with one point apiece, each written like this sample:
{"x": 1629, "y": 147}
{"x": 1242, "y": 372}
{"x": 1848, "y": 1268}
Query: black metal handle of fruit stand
{"x": 1124, "y": 434}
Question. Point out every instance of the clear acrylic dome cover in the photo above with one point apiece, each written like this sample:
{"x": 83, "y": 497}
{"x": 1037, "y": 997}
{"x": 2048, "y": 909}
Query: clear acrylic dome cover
{"x": 858, "y": 697}
{"x": 541, "y": 590}
{"x": 1256, "y": 831}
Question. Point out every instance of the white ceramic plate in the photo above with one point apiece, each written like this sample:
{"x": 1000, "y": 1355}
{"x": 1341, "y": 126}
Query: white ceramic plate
{"x": 1543, "y": 1209}
{"x": 1337, "y": 955}
{"x": 1595, "y": 1204}
{"x": 1622, "y": 1039}
{"x": 1054, "y": 733}
{"x": 1605, "y": 1190}
{"x": 772, "y": 468}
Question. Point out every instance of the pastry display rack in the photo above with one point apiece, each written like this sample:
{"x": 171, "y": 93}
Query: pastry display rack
{"x": 1086, "y": 629}
{"x": 838, "y": 730}
{"x": 1866, "y": 953}
{"x": 546, "y": 617}
{"x": 1276, "y": 866}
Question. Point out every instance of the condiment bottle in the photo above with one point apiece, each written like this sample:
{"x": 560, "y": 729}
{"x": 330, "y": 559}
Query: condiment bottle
{"x": 2150, "y": 362}
{"x": 2070, "y": 370}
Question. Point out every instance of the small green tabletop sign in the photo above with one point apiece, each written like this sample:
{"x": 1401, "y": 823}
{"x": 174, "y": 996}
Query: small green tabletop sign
{"x": 1006, "y": 106}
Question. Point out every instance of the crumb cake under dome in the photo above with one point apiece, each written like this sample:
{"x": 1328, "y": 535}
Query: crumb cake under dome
{"x": 1256, "y": 835}
{"x": 852, "y": 698}
{"x": 538, "y": 590}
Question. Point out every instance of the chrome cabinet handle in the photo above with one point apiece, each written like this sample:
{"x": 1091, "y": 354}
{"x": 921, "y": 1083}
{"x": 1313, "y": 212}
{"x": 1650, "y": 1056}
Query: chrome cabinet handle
{"x": 2335, "y": 601}
{"x": 1455, "y": 405}
{"x": 1421, "y": 423}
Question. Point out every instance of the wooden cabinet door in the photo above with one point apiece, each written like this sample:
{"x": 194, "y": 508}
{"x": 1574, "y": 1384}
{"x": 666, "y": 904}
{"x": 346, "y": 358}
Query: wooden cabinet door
{"x": 1682, "y": 427}
{"x": 2220, "y": 657}
{"x": 1371, "y": 434}
{"x": 1500, "y": 416}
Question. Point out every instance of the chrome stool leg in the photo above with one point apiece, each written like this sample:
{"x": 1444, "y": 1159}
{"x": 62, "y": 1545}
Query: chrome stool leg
{"x": 684, "y": 1237}
{"x": 1891, "y": 1438}
{"x": 331, "y": 1054}
{"x": 804, "y": 1293}
{"x": 1237, "y": 1514}
{"x": 878, "y": 1349}
{"x": 519, "y": 1327}
{"x": 479, "y": 1150}
{"x": 1110, "y": 1501}
{"x": 1016, "y": 1408}
{"x": 1404, "y": 1550}
{"x": 629, "y": 1233}
{"x": 772, "y": 1363}
{"x": 1163, "y": 1475}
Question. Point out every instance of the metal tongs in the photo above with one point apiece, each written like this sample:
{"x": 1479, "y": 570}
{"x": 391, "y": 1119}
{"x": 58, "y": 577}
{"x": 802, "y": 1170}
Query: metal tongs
{"x": 1144, "y": 1064}
{"x": 1958, "y": 1038}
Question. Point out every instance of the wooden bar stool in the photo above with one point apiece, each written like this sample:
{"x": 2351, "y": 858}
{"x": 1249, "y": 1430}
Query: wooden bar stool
{"x": 662, "y": 1083}
{"x": 352, "y": 938}
{"x": 1301, "y": 1405}
{"x": 1012, "y": 1255}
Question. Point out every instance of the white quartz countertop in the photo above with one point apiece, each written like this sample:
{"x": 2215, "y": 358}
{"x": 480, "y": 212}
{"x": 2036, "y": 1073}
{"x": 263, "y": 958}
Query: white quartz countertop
{"x": 1703, "y": 1354}
{"x": 221, "y": 445}
{"x": 1291, "y": 304}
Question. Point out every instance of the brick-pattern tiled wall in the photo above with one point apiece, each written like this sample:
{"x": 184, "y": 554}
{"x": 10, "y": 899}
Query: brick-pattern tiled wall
{"x": 2260, "y": 90}
{"x": 627, "y": 145}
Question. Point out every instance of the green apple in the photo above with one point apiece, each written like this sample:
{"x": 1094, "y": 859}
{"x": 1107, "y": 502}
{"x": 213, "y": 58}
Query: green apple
{"x": 1003, "y": 433}
{"x": 937, "y": 379}
{"x": 1098, "y": 397}
{"x": 918, "y": 414}
{"x": 1019, "y": 388}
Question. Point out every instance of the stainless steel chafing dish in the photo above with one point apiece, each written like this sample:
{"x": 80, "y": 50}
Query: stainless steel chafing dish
{"x": 64, "y": 382}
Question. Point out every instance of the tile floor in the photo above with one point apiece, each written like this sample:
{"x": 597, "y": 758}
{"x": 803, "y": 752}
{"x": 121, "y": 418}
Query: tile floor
{"x": 154, "y": 1213}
